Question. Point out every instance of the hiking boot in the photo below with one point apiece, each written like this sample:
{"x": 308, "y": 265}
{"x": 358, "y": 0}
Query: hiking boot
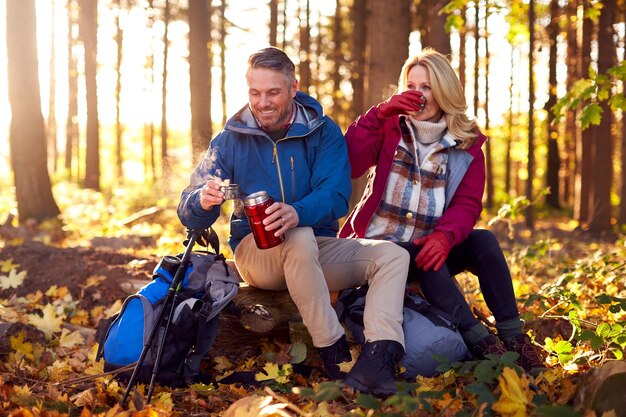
{"x": 489, "y": 344}
{"x": 530, "y": 357}
{"x": 333, "y": 355}
{"x": 375, "y": 370}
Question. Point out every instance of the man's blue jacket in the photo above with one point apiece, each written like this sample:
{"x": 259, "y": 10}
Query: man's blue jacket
{"x": 308, "y": 169}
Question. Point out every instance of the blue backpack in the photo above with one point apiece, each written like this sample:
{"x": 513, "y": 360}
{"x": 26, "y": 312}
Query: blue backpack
{"x": 428, "y": 332}
{"x": 209, "y": 284}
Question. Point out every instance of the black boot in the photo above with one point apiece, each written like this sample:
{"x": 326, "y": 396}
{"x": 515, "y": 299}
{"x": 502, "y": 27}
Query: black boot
{"x": 375, "y": 370}
{"x": 333, "y": 355}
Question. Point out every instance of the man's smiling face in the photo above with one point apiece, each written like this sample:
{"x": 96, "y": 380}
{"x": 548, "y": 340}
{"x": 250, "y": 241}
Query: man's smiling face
{"x": 270, "y": 97}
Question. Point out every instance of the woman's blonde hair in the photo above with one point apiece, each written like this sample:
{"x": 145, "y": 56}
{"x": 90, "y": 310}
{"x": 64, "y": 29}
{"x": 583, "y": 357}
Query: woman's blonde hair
{"x": 448, "y": 92}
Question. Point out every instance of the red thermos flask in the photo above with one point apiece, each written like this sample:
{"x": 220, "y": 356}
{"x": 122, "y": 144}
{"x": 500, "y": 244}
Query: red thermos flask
{"x": 254, "y": 206}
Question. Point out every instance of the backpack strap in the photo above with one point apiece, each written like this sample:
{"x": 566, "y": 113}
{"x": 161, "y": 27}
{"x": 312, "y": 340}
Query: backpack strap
{"x": 437, "y": 316}
{"x": 205, "y": 336}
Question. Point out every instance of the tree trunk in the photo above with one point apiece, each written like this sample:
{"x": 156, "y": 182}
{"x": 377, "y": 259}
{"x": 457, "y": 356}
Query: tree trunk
{"x": 165, "y": 163}
{"x": 27, "y": 137}
{"x": 388, "y": 29}
{"x": 273, "y": 22}
{"x": 71, "y": 126}
{"x": 223, "y": 59}
{"x": 584, "y": 160}
{"x": 148, "y": 128}
{"x": 554, "y": 159}
{"x": 200, "y": 77}
{"x": 530, "y": 214}
{"x": 622, "y": 194}
{"x": 572, "y": 130}
{"x": 88, "y": 32}
{"x": 488, "y": 155}
{"x": 52, "y": 116}
{"x": 119, "y": 38}
{"x": 432, "y": 26}
{"x": 602, "y": 145}
{"x": 359, "y": 39}
{"x": 462, "y": 48}
{"x": 476, "y": 56}
{"x": 509, "y": 139}
{"x": 305, "y": 48}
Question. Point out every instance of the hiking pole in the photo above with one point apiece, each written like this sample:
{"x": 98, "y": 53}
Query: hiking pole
{"x": 172, "y": 295}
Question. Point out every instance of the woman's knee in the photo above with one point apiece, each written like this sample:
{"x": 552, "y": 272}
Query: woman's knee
{"x": 483, "y": 241}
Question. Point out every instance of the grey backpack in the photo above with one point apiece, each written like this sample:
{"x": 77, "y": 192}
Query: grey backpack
{"x": 429, "y": 333}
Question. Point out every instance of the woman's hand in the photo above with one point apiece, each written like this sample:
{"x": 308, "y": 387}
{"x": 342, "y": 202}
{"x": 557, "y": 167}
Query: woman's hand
{"x": 434, "y": 252}
{"x": 410, "y": 101}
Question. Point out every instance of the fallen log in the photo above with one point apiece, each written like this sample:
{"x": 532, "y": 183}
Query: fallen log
{"x": 261, "y": 311}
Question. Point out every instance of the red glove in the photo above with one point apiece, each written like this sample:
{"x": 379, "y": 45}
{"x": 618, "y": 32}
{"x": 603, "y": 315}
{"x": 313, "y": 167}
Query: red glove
{"x": 435, "y": 249}
{"x": 409, "y": 101}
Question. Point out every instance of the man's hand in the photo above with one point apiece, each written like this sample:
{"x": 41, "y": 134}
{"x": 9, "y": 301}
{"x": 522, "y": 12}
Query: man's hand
{"x": 281, "y": 217}
{"x": 435, "y": 249}
{"x": 211, "y": 195}
{"x": 410, "y": 101}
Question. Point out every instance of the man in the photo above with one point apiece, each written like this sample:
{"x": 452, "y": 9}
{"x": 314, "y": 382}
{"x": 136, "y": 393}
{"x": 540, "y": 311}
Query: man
{"x": 282, "y": 143}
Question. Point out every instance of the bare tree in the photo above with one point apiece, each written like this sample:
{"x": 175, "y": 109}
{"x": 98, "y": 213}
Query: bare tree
{"x": 119, "y": 40}
{"x": 71, "y": 126}
{"x": 166, "y": 47}
{"x": 305, "y": 47}
{"x": 431, "y": 23}
{"x": 602, "y": 145}
{"x": 582, "y": 203}
{"x": 554, "y": 159}
{"x": 200, "y": 76}
{"x": 52, "y": 116}
{"x": 88, "y": 32}
{"x": 223, "y": 23}
{"x": 27, "y": 138}
{"x": 388, "y": 29}
{"x": 273, "y": 22}
{"x": 530, "y": 213}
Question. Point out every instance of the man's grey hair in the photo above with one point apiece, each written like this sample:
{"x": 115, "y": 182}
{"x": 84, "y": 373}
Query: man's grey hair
{"x": 275, "y": 59}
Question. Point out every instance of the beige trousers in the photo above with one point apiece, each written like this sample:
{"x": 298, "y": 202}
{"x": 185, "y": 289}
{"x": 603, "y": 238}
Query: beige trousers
{"x": 309, "y": 267}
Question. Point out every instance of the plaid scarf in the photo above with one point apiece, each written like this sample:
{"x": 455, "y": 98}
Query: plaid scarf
{"x": 414, "y": 197}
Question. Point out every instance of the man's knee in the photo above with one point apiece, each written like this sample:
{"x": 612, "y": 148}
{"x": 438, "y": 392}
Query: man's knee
{"x": 301, "y": 242}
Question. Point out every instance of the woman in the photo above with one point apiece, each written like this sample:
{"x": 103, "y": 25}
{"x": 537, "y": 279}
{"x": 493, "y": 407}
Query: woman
{"x": 424, "y": 192}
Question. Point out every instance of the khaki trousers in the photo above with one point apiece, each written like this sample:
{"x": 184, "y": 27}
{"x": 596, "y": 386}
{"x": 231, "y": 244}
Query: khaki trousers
{"x": 309, "y": 267}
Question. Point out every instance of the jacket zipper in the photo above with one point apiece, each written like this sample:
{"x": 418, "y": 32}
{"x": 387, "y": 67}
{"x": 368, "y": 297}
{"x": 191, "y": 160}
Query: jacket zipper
{"x": 276, "y": 159}
{"x": 293, "y": 181}
{"x": 280, "y": 177}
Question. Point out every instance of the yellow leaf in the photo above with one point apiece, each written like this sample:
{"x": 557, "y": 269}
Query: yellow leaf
{"x": 57, "y": 292}
{"x": 163, "y": 402}
{"x": 59, "y": 370}
{"x": 22, "y": 395}
{"x": 23, "y": 348}
{"x": 13, "y": 280}
{"x": 515, "y": 394}
{"x": 81, "y": 318}
{"x": 70, "y": 339}
{"x": 49, "y": 322}
{"x": 83, "y": 398}
{"x": 222, "y": 363}
{"x": 275, "y": 372}
{"x": 93, "y": 281}
{"x": 254, "y": 406}
{"x": 7, "y": 265}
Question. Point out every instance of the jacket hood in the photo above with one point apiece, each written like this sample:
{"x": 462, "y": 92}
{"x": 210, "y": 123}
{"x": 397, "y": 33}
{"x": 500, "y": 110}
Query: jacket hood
{"x": 309, "y": 115}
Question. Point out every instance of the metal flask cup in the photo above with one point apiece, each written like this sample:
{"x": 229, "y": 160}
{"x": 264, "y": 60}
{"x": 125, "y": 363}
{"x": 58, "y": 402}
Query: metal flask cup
{"x": 254, "y": 206}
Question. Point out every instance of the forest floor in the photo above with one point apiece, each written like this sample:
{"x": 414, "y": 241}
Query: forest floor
{"x": 88, "y": 282}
